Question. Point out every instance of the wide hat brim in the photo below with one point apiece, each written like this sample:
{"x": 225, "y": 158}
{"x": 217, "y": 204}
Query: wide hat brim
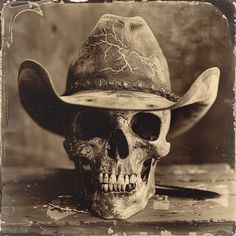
{"x": 45, "y": 106}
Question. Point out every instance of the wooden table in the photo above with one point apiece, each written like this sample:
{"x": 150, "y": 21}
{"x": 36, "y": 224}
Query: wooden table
{"x": 39, "y": 201}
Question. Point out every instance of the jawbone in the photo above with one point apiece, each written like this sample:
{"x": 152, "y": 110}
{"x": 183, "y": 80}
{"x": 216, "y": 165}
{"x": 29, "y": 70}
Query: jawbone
{"x": 122, "y": 203}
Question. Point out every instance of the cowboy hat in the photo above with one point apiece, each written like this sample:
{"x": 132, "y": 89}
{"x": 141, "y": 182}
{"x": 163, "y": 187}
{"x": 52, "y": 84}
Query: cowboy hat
{"x": 120, "y": 66}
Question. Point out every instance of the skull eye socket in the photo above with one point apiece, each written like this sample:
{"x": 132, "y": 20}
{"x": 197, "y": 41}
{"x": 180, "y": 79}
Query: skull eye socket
{"x": 146, "y": 125}
{"x": 93, "y": 124}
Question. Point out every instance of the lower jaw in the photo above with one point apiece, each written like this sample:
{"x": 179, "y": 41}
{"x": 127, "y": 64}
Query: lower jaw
{"x": 121, "y": 205}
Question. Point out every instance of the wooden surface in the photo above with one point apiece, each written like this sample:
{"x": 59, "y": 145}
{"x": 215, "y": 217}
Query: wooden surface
{"x": 39, "y": 201}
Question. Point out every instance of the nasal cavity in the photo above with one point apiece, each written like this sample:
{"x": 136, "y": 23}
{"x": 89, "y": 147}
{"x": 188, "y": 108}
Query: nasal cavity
{"x": 118, "y": 146}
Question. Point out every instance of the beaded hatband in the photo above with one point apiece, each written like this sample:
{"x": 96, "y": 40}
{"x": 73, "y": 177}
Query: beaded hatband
{"x": 138, "y": 86}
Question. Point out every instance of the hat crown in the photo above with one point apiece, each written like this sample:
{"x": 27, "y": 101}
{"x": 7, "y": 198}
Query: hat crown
{"x": 120, "y": 52}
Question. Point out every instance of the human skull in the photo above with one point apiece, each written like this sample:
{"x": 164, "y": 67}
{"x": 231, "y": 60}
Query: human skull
{"x": 115, "y": 155}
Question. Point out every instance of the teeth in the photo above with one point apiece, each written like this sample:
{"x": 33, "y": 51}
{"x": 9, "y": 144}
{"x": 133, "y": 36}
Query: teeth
{"x": 110, "y": 187}
{"x": 119, "y": 187}
{"x": 123, "y": 187}
{"x": 101, "y": 178}
{"x": 115, "y": 187}
{"x": 105, "y": 186}
{"x": 132, "y": 179}
{"x": 118, "y": 183}
{"x": 120, "y": 179}
{"x": 106, "y": 179}
{"x": 112, "y": 179}
{"x": 126, "y": 179}
{"x": 129, "y": 187}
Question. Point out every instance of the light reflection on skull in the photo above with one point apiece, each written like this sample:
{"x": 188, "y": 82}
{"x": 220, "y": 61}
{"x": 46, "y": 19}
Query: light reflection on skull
{"x": 115, "y": 154}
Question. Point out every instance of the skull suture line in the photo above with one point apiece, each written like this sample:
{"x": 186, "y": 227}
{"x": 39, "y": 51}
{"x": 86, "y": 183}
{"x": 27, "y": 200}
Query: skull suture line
{"x": 115, "y": 154}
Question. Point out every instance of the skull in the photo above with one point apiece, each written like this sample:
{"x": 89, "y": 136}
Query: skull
{"x": 115, "y": 155}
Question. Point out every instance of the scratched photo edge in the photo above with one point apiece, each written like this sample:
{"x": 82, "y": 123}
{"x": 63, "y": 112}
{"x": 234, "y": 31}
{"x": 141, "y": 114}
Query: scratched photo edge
{"x": 219, "y": 5}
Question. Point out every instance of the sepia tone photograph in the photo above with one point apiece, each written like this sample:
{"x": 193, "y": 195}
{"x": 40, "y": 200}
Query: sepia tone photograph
{"x": 117, "y": 118}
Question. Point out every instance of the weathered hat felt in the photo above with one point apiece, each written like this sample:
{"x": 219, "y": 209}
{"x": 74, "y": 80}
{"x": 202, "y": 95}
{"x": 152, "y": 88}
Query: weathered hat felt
{"x": 120, "y": 66}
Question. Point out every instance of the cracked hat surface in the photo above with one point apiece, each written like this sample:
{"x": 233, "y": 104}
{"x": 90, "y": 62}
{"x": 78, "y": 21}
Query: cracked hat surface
{"x": 121, "y": 53}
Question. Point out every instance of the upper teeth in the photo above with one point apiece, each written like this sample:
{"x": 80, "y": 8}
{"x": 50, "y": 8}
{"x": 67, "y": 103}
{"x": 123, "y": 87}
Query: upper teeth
{"x": 117, "y": 179}
{"x": 133, "y": 179}
{"x": 112, "y": 179}
{"x": 118, "y": 183}
{"x": 106, "y": 179}
{"x": 120, "y": 179}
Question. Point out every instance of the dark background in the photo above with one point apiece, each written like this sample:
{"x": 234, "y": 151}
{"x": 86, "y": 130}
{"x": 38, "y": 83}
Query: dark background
{"x": 192, "y": 36}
